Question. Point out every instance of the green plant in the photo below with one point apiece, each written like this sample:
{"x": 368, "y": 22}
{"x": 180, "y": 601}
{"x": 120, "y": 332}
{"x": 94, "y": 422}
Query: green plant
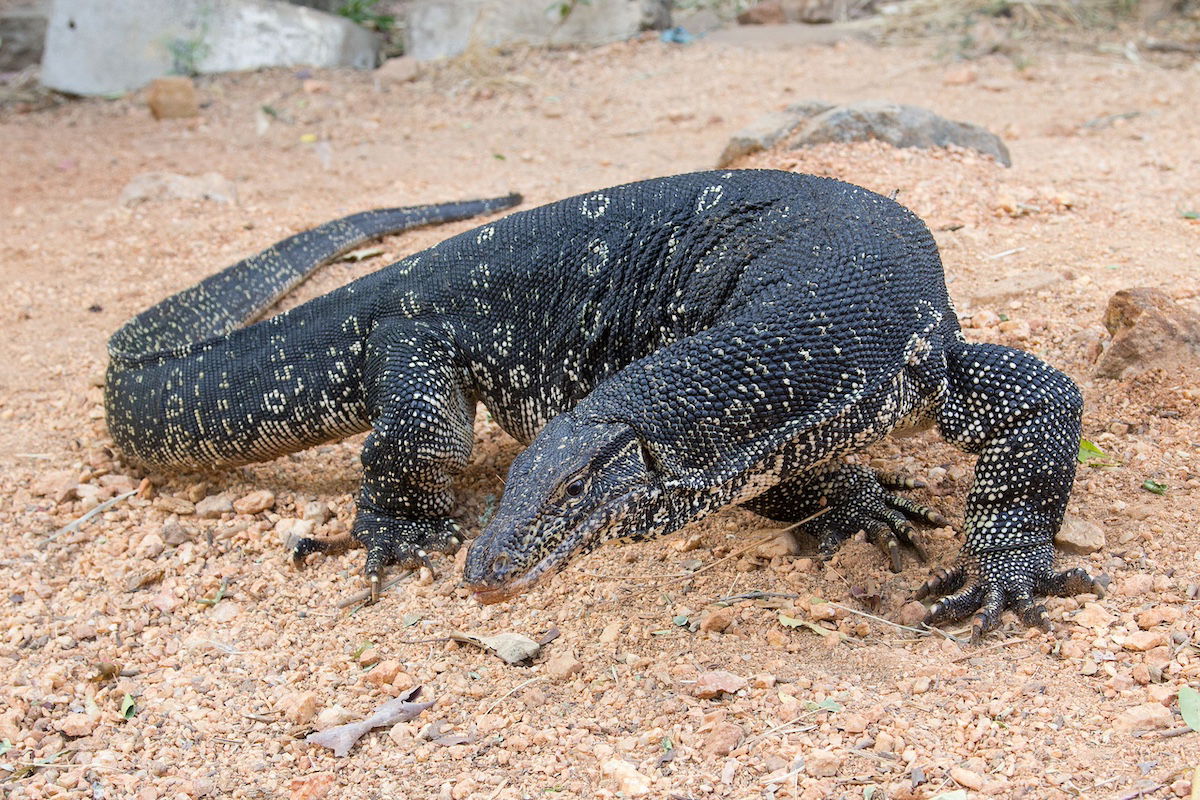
{"x": 363, "y": 13}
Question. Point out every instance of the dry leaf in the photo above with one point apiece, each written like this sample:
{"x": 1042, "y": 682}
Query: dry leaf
{"x": 343, "y": 737}
{"x": 513, "y": 648}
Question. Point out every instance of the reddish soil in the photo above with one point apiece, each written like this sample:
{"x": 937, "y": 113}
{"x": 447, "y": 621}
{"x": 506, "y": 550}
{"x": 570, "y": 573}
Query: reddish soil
{"x": 228, "y": 654}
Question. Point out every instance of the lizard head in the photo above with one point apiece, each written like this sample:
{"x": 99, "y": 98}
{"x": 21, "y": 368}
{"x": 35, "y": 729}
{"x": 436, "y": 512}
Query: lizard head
{"x": 579, "y": 484}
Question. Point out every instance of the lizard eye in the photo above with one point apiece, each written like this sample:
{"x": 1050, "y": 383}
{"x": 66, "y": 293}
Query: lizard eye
{"x": 575, "y": 488}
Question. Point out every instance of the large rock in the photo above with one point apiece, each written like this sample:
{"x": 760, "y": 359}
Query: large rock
{"x": 1149, "y": 331}
{"x": 100, "y": 48}
{"x": 445, "y": 28}
{"x": 816, "y": 122}
{"x": 22, "y": 33}
{"x": 898, "y": 125}
{"x": 824, "y": 11}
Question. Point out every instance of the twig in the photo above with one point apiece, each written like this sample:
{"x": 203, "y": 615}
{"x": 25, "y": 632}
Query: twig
{"x": 754, "y": 594}
{"x": 74, "y": 526}
{"x": 516, "y": 688}
{"x": 365, "y": 594}
{"x": 1109, "y": 119}
{"x": 499, "y": 789}
{"x": 1168, "y": 46}
{"x": 977, "y": 650}
{"x": 919, "y": 631}
{"x": 792, "y": 721}
{"x": 1180, "y": 731}
{"x": 1004, "y": 253}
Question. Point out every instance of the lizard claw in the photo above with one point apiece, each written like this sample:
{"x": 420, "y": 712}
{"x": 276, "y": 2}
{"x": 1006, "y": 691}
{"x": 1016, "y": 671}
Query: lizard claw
{"x": 403, "y": 543}
{"x": 885, "y": 517}
{"x": 986, "y": 584}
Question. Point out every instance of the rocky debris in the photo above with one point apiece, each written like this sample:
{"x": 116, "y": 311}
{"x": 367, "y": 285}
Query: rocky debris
{"x": 776, "y": 12}
{"x": 1158, "y": 615}
{"x": 316, "y": 512}
{"x": 314, "y": 786}
{"x": 384, "y": 672}
{"x": 58, "y": 486}
{"x": 821, "y": 12}
{"x": 173, "y": 97}
{"x": 911, "y": 613}
{"x": 444, "y": 28}
{"x": 563, "y": 666}
{"x": 78, "y": 724}
{"x": 630, "y": 782}
{"x": 398, "y": 70}
{"x": 174, "y": 505}
{"x": 966, "y": 778}
{"x": 1149, "y": 330}
{"x": 99, "y": 48}
{"x": 1147, "y": 716}
{"x": 718, "y": 619}
{"x": 822, "y": 763}
{"x": 768, "y": 12}
{"x": 1093, "y": 615}
{"x": 214, "y": 506}
{"x": 723, "y": 739}
{"x": 154, "y": 186}
{"x": 1141, "y": 641}
{"x": 299, "y": 707}
{"x": 255, "y": 503}
{"x": 333, "y": 716}
{"x": 1079, "y": 536}
{"x": 816, "y": 122}
{"x": 717, "y": 682}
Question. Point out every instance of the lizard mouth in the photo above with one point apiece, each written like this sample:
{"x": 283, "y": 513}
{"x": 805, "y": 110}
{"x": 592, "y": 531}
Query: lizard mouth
{"x": 488, "y": 593}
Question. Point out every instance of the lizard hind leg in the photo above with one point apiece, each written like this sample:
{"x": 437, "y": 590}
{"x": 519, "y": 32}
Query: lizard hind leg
{"x": 854, "y": 499}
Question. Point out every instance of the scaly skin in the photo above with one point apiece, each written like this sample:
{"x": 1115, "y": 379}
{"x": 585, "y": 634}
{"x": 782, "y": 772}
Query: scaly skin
{"x": 686, "y": 342}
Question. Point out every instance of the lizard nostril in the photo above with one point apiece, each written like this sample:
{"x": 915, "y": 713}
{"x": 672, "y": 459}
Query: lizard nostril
{"x": 499, "y": 563}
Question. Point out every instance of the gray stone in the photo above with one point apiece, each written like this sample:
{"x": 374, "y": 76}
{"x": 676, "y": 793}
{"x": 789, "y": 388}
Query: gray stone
{"x": 22, "y": 34}
{"x": 101, "y": 48}
{"x": 816, "y": 122}
{"x": 168, "y": 185}
{"x": 825, "y": 11}
{"x": 1149, "y": 331}
{"x": 444, "y": 28}
{"x": 761, "y": 134}
{"x": 213, "y": 506}
{"x": 898, "y": 125}
{"x": 1079, "y": 536}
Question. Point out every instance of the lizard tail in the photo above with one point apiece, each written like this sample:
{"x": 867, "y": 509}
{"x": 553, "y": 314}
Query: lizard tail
{"x": 238, "y": 294}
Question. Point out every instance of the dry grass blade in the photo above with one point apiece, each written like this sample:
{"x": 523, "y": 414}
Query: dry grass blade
{"x": 70, "y": 527}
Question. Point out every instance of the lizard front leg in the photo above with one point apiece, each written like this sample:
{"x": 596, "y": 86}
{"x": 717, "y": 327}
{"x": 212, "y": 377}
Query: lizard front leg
{"x": 420, "y": 441}
{"x": 849, "y": 498}
{"x": 1023, "y": 419}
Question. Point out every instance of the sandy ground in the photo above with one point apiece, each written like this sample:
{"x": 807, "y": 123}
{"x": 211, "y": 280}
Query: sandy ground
{"x": 151, "y": 653}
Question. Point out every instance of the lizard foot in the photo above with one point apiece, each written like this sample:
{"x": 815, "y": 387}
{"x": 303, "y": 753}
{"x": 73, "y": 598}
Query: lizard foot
{"x": 303, "y": 546}
{"x": 403, "y": 542}
{"x": 988, "y": 583}
{"x": 865, "y": 504}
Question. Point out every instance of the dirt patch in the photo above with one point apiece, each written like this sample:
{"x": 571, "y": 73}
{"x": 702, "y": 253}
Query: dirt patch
{"x": 215, "y": 657}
